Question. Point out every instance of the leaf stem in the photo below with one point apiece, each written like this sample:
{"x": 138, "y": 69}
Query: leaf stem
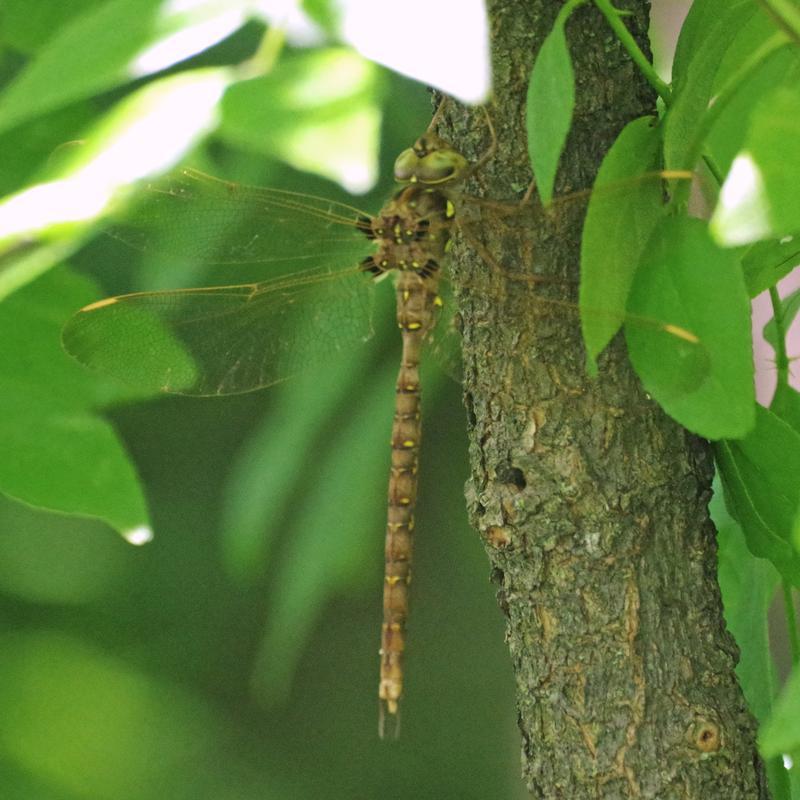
{"x": 263, "y": 60}
{"x": 791, "y": 623}
{"x": 786, "y": 16}
{"x": 612, "y": 15}
{"x": 781, "y": 357}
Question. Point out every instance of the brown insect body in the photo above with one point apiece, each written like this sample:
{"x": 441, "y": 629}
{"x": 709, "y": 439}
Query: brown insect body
{"x": 412, "y": 232}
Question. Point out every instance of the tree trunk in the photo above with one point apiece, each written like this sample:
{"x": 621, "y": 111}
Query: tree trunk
{"x": 592, "y": 504}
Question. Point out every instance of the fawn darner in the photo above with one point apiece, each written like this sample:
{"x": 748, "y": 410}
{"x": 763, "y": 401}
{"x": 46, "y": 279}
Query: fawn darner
{"x": 232, "y": 339}
{"x": 239, "y": 338}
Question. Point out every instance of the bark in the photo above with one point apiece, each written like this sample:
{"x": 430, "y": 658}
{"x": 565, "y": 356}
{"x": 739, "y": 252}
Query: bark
{"x": 592, "y": 504}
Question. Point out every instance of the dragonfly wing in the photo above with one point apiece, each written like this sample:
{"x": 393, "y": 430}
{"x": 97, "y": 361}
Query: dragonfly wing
{"x": 444, "y": 341}
{"x": 223, "y": 340}
{"x": 194, "y": 216}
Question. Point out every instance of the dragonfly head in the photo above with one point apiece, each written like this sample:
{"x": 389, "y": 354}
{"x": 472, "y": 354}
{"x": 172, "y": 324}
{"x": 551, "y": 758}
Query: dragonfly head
{"x": 431, "y": 161}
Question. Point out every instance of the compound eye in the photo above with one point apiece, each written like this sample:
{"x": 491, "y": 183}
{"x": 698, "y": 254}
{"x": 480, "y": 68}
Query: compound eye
{"x": 440, "y": 166}
{"x": 406, "y": 166}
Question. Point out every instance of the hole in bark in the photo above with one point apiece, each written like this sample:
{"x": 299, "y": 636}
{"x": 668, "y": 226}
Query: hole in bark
{"x": 512, "y": 475}
{"x": 707, "y": 737}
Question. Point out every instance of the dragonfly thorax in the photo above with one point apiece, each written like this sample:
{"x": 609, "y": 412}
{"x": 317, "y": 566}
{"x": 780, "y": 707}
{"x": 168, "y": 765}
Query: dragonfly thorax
{"x": 431, "y": 161}
{"x": 411, "y": 232}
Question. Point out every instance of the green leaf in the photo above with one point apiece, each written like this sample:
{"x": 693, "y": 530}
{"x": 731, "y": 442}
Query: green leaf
{"x": 316, "y": 110}
{"x": 780, "y": 69}
{"x": 707, "y": 33}
{"x": 617, "y": 228}
{"x": 703, "y": 376}
{"x": 551, "y": 99}
{"x": 87, "y": 56}
{"x": 111, "y": 45}
{"x": 759, "y": 473}
{"x": 759, "y": 199}
{"x": 748, "y": 585}
{"x": 765, "y": 263}
{"x": 61, "y": 697}
{"x": 327, "y": 541}
{"x": 786, "y": 405}
{"x": 781, "y": 732}
{"x": 692, "y": 37}
{"x": 325, "y": 13}
{"x": 275, "y": 456}
{"x": 52, "y": 558}
{"x": 61, "y": 456}
{"x": 27, "y": 26}
{"x": 43, "y": 224}
{"x": 24, "y": 148}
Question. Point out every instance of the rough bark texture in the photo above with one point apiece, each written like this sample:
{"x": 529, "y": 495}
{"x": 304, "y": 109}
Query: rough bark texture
{"x": 591, "y": 502}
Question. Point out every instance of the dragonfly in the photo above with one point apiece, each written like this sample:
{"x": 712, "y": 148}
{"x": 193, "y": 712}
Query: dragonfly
{"x": 230, "y": 339}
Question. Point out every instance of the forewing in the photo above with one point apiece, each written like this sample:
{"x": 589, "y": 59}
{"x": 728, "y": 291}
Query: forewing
{"x": 196, "y": 217}
{"x": 223, "y": 340}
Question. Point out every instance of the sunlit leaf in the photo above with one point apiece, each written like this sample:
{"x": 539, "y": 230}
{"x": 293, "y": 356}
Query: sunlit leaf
{"x": 616, "y": 230}
{"x": 759, "y": 198}
{"x": 112, "y": 44}
{"x": 145, "y": 134}
{"x": 316, "y": 110}
{"x": 759, "y": 473}
{"x": 696, "y": 288}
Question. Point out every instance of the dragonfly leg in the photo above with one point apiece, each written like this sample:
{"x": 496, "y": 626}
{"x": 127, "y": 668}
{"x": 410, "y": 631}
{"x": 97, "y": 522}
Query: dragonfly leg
{"x": 497, "y": 270}
{"x": 488, "y": 154}
{"x": 438, "y": 113}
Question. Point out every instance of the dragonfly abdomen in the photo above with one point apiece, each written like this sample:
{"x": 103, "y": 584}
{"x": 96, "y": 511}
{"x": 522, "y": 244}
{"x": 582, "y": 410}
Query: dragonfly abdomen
{"x": 412, "y": 232}
{"x": 416, "y": 307}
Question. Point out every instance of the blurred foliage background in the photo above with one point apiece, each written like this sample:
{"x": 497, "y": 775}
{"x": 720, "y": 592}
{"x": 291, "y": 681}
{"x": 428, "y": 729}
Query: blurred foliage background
{"x": 234, "y": 656}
